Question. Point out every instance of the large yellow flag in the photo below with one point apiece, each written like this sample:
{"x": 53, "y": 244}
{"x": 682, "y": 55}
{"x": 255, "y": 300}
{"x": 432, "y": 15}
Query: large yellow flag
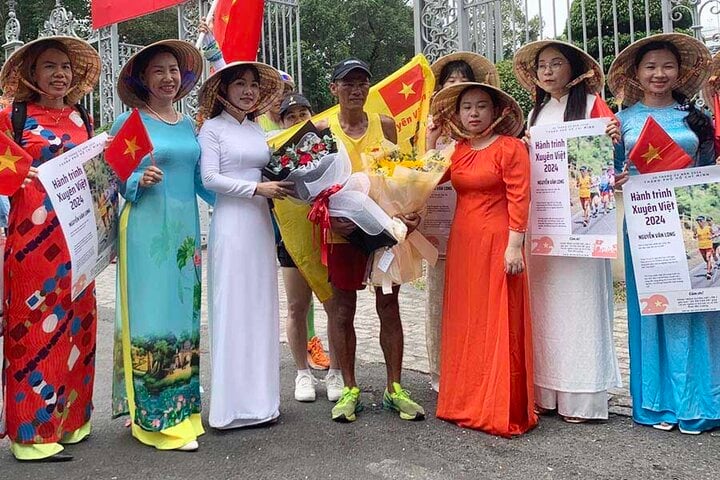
{"x": 405, "y": 96}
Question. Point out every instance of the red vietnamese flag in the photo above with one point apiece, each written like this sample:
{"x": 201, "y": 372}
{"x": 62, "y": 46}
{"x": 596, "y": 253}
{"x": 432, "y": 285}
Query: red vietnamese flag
{"x": 237, "y": 26}
{"x": 130, "y": 145}
{"x": 14, "y": 165}
{"x": 107, "y": 12}
{"x": 655, "y": 151}
{"x": 404, "y": 92}
{"x": 600, "y": 109}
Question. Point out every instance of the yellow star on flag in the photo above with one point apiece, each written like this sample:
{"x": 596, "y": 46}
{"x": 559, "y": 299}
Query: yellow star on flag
{"x": 132, "y": 147}
{"x": 651, "y": 154}
{"x": 226, "y": 18}
{"x": 407, "y": 90}
{"x": 8, "y": 160}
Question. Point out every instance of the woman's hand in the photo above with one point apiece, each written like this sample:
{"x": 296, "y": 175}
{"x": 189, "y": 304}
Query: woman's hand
{"x": 623, "y": 177}
{"x": 342, "y": 226}
{"x": 204, "y": 27}
{"x": 514, "y": 263}
{"x": 526, "y": 138}
{"x": 151, "y": 176}
{"x": 612, "y": 130}
{"x": 32, "y": 173}
{"x": 411, "y": 221}
{"x": 108, "y": 141}
{"x": 433, "y": 131}
{"x": 276, "y": 190}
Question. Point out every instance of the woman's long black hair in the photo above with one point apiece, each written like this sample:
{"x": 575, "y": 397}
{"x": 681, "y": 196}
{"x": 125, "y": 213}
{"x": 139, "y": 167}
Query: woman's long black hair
{"x": 696, "y": 121}
{"x": 577, "y": 100}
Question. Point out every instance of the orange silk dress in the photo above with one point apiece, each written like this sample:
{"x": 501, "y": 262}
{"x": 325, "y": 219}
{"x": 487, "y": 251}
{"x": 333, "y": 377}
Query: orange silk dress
{"x": 486, "y": 369}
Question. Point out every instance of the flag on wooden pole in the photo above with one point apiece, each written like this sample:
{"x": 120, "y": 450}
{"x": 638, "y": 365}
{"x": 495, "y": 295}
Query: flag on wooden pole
{"x": 130, "y": 145}
{"x": 655, "y": 151}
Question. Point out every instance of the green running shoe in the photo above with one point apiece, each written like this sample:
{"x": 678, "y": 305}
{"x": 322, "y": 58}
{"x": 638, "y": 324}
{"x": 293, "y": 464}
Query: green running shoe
{"x": 401, "y": 402}
{"x": 349, "y": 404}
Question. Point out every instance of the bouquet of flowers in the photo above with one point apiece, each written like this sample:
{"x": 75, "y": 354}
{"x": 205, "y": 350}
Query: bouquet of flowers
{"x": 340, "y": 193}
{"x": 302, "y": 158}
{"x": 401, "y": 183}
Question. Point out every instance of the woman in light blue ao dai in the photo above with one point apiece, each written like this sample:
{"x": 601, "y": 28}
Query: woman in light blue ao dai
{"x": 674, "y": 358}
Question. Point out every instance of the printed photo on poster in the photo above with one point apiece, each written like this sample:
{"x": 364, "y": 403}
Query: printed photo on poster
{"x": 572, "y": 190}
{"x": 592, "y": 185}
{"x": 699, "y": 211}
{"x": 674, "y": 239}
{"x": 84, "y": 194}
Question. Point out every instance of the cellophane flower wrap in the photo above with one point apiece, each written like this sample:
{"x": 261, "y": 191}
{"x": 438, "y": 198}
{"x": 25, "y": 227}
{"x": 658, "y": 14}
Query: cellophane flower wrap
{"x": 401, "y": 183}
{"x": 334, "y": 191}
{"x": 302, "y": 159}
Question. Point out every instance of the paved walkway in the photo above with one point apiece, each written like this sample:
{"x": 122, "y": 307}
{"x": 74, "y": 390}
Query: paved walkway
{"x": 412, "y": 311}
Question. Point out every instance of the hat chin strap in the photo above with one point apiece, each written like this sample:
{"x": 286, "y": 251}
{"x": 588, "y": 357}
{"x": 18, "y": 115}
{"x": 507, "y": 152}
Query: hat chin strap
{"x": 461, "y": 133}
{"x": 44, "y": 93}
{"x": 237, "y": 113}
{"x": 585, "y": 76}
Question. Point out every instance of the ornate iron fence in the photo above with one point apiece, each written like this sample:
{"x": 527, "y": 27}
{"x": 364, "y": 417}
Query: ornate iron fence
{"x": 280, "y": 47}
{"x": 496, "y": 28}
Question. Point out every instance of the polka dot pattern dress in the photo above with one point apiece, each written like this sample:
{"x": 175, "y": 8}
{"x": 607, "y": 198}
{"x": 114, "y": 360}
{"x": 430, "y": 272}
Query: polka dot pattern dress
{"x": 49, "y": 347}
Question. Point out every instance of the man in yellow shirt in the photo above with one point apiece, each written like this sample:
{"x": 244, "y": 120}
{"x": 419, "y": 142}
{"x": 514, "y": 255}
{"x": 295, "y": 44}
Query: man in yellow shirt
{"x": 583, "y": 184}
{"x": 703, "y": 235}
{"x": 347, "y": 264}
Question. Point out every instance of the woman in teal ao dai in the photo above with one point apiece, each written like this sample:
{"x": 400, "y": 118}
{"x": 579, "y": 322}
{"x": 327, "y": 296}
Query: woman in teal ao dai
{"x": 157, "y": 343}
{"x": 674, "y": 358}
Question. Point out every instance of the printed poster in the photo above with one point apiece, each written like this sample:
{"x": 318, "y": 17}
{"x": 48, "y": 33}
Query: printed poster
{"x": 672, "y": 226}
{"x": 84, "y": 193}
{"x": 572, "y": 190}
{"x": 438, "y": 217}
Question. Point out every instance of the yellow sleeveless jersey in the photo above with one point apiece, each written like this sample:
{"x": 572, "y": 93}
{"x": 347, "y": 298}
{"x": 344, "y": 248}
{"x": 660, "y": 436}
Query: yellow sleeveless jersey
{"x": 704, "y": 237}
{"x": 584, "y": 186}
{"x": 355, "y": 146}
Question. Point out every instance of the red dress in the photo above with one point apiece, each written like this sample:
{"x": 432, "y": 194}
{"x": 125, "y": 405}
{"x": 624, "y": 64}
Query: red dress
{"x": 486, "y": 376}
{"x": 49, "y": 344}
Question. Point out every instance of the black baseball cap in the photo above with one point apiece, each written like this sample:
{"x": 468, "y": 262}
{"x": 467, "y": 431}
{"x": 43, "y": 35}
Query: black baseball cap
{"x": 347, "y": 66}
{"x": 294, "y": 100}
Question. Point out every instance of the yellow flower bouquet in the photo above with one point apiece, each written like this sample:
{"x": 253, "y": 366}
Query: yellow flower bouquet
{"x": 401, "y": 183}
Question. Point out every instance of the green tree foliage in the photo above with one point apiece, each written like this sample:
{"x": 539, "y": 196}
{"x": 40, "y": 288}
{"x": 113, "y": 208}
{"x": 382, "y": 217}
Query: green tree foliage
{"x": 140, "y": 31}
{"x": 32, "y": 15}
{"x": 377, "y": 31}
{"x": 515, "y": 26}
{"x": 699, "y": 200}
{"x": 150, "y": 28}
{"x": 511, "y": 86}
{"x": 589, "y": 21}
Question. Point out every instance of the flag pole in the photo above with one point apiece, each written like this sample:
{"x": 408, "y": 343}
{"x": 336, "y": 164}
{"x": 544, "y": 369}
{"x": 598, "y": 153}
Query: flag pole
{"x": 208, "y": 19}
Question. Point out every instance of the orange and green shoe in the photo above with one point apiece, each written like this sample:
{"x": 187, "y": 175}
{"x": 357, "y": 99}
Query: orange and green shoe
{"x": 349, "y": 404}
{"x": 400, "y": 401}
{"x": 317, "y": 358}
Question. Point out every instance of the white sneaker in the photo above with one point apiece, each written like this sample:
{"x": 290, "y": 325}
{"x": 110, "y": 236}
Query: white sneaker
{"x": 334, "y": 385}
{"x": 305, "y": 387}
{"x": 191, "y": 446}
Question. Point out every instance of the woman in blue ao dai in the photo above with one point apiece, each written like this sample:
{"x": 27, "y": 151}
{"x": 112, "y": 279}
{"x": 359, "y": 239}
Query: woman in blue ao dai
{"x": 157, "y": 354}
{"x": 674, "y": 358}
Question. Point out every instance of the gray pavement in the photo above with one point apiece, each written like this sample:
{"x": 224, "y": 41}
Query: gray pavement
{"x": 305, "y": 444}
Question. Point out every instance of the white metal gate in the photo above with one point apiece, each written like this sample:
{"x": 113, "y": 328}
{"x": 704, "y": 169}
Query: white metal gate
{"x": 496, "y": 28}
